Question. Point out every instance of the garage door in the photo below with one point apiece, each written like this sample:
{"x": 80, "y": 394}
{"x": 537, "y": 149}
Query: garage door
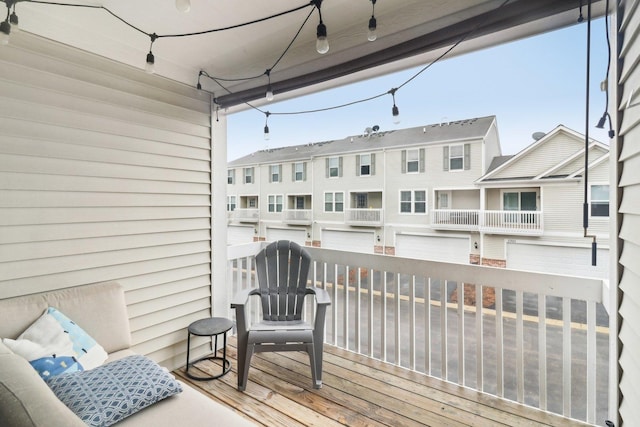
{"x": 237, "y": 235}
{"x": 574, "y": 261}
{"x": 434, "y": 248}
{"x": 295, "y": 235}
{"x": 354, "y": 241}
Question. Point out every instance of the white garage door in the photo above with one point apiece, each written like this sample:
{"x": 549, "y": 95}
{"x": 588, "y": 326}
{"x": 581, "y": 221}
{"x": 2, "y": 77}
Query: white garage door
{"x": 294, "y": 235}
{"x": 237, "y": 235}
{"x": 557, "y": 259}
{"x": 354, "y": 241}
{"x": 434, "y": 248}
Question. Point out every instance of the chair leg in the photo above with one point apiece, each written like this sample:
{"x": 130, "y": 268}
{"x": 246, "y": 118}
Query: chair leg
{"x": 313, "y": 363}
{"x": 317, "y": 362}
{"x": 243, "y": 366}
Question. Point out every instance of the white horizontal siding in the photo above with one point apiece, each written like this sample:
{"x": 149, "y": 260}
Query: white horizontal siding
{"x": 105, "y": 174}
{"x": 629, "y": 190}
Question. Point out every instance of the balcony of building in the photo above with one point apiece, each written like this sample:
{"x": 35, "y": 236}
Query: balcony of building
{"x": 412, "y": 342}
{"x": 251, "y": 216}
{"x": 298, "y": 210}
{"x": 366, "y": 209}
{"x": 456, "y": 210}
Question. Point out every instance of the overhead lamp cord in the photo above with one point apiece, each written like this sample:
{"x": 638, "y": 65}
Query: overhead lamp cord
{"x": 585, "y": 205}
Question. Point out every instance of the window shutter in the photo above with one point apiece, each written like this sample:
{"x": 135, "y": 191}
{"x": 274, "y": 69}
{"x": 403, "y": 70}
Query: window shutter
{"x": 340, "y": 166}
{"x": 404, "y": 161}
{"x": 304, "y": 171}
{"x": 445, "y": 158}
{"x": 326, "y": 167}
{"x": 270, "y": 174}
{"x": 358, "y": 165}
{"x": 467, "y": 156}
{"x": 373, "y": 164}
{"x": 293, "y": 172}
{"x": 233, "y": 176}
{"x": 421, "y": 165}
{"x": 279, "y": 173}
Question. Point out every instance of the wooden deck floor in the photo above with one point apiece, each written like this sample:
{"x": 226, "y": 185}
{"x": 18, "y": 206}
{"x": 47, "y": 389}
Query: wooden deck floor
{"x": 357, "y": 391}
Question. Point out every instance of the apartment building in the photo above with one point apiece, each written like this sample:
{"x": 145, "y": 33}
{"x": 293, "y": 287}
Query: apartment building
{"x": 442, "y": 192}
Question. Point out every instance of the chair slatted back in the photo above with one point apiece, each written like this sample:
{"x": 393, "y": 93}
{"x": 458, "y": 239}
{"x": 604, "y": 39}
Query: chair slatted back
{"x": 282, "y": 268}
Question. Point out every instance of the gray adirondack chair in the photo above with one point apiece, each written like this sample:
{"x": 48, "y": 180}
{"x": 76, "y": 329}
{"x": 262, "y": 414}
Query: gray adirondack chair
{"x": 282, "y": 268}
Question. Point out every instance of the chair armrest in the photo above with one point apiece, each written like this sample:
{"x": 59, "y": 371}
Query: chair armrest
{"x": 322, "y": 296}
{"x": 241, "y": 297}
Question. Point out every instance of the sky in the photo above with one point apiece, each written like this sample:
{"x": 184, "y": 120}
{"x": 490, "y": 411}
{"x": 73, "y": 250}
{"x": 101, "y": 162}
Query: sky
{"x": 531, "y": 85}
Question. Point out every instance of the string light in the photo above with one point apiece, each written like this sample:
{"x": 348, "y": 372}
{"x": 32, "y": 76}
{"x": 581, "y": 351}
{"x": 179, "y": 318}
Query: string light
{"x": 266, "y": 126}
{"x": 269, "y": 94}
{"x": 183, "y": 6}
{"x": 199, "y": 85}
{"x": 322, "y": 43}
{"x": 150, "y": 66}
{"x": 371, "y": 34}
{"x": 395, "y": 112}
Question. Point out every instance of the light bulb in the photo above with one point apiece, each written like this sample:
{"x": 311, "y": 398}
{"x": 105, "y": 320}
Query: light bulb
{"x": 183, "y": 5}
{"x": 269, "y": 95}
{"x": 396, "y": 114}
{"x": 322, "y": 43}
{"x": 266, "y": 133}
{"x": 371, "y": 34}
{"x": 150, "y": 65}
{"x": 5, "y": 30}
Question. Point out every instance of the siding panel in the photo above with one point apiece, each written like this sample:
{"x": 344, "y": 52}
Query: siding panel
{"x": 105, "y": 174}
{"x": 629, "y": 190}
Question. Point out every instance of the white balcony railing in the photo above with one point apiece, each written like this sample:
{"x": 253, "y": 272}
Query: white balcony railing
{"x": 455, "y": 219}
{"x": 363, "y": 217}
{"x": 534, "y": 338}
{"x": 297, "y": 216}
{"x": 245, "y": 215}
{"x": 512, "y": 222}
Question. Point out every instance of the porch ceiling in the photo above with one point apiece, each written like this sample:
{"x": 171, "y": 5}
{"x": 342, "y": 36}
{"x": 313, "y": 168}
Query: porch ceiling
{"x": 409, "y": 31}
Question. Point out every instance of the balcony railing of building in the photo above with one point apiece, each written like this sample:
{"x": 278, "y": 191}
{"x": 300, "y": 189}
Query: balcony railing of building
{"x": 538, "y": 339}
{"x": 512, "y": 222}
{"x": 297, "y": 216}
{"x": 245, "y": 215}
{"x": 528, "y": 223}
{"x": 363, "y": 217}
{"x": 455, "y": 219}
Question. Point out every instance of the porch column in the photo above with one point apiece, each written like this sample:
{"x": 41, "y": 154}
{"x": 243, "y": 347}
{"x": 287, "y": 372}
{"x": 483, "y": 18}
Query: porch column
{"x": 220, "y": 292}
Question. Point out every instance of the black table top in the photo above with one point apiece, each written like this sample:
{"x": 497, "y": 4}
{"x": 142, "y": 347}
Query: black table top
{"x": 210, "y": 326}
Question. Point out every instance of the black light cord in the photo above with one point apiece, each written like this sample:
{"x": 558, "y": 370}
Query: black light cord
{"x": 196, "y": 33}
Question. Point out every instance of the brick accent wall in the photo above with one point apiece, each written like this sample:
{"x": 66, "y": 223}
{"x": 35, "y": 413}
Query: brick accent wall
{"x": 316, "y": 244}
{"x": 474, "y": 259}
{"x": 378, "y": 249}
{"x": 389, "y": 250}
{"x": 494, "y": 262}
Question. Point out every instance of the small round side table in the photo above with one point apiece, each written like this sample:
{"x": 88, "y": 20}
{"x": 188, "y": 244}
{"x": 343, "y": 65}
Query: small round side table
{"x": 211, "y": 327}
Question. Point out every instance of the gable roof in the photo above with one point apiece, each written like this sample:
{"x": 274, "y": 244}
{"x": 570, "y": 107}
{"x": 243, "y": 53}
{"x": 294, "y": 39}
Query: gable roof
{"x": 433, "y": 134}
{"x": 557, "y": 155}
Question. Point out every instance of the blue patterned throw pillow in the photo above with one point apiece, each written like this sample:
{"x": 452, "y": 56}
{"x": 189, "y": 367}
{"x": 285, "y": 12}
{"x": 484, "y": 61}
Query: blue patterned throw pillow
{"x": 111, "y": 392}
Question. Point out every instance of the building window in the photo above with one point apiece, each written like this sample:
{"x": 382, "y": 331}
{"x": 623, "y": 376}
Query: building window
{"x": 231, "y": 203}
{"x": 275, "y": 173}
{"x": 456, "y": 157}
{"x": 231, "y": 176}
{"x": 299, "y": 202}
{"x": 413, "y": 201}
{"x": 334, "y": 202}
{"x": 248, "y": 175}
{"x": 299, "y": 172}
{"x": 600, "y": 200}
{"x": 275, "y": 203}
{"x": 334, "y": 167}
{"x": 365, "y": 164}
{"x": 413, "y": 161}
{"x": 519, "y": 201}
{"x": 252, "y": 202}
{"x": 361, "y": 200}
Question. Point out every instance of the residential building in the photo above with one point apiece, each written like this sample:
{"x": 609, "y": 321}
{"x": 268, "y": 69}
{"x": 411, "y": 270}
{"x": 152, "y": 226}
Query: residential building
{"x": 440, "y": 192}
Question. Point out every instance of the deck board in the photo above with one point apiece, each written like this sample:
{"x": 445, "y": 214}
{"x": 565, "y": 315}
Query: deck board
{"x": 357, "y": 391}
